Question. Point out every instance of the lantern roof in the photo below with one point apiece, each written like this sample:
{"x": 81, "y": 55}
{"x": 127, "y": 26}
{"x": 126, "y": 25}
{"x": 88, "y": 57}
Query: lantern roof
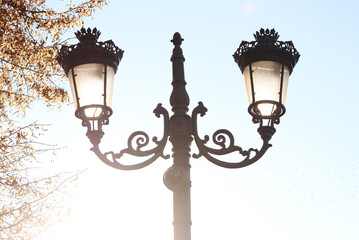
{"x": 266, "y": 47}
{"x": 89, "y": 50}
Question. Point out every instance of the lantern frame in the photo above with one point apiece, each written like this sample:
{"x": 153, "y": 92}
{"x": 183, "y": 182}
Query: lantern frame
{"x": 90, "y": 50}
{"x": 266, "y": 47}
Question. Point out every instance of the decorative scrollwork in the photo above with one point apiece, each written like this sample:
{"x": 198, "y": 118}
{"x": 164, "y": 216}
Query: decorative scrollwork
{"x": 265, "y": 38}
{"x": 142, "y": 140}
{"x": 136, "y": 144}
{"x": 220, "y": 138}
{"x": 88, "y": 39}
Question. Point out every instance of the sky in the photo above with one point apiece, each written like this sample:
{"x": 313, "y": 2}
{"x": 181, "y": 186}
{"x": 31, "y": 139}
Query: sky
{"x": 305, "y": 187}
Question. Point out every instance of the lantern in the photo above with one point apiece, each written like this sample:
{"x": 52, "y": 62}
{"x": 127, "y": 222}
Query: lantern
{"x": 266, "y": 64}
{"x": 91, "y": 66}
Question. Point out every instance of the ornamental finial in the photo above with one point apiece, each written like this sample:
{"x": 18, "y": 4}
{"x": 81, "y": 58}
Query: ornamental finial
{"x": 88, "y": 36}
{"x": 177, "y": 39}
{"x": 266, "y": 37}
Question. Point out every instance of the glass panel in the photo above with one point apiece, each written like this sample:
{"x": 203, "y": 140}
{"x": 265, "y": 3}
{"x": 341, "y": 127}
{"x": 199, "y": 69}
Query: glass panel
{"x": 90, "y": 86}
{"x": 109, "y": 87}
{"x": 247, "y": 81}
{"x": 266, "y": 84}
{"x": 73, "y": 90}
{"x": 285, "y": 84}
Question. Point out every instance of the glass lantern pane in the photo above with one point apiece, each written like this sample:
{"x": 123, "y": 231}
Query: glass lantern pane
{"x": 109, "y": 87}
{"x": 90, "y": 87}
{"x": 266, "y": 84}
{"x": 247, "y": 81}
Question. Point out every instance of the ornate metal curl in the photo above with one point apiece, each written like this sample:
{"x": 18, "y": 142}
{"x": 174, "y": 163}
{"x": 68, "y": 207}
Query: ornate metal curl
{"x": 220, "y": 138}
{"x": 136, "y": 142}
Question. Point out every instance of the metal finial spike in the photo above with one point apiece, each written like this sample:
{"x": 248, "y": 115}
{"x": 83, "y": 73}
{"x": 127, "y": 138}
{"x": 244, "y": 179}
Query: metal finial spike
{"x": 266, "y": 35}
{"x": 88, "y": 35}
{"x": 177, "y": 39}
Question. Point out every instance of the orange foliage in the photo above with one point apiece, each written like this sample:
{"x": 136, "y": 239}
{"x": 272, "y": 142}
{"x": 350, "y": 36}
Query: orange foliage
{"x": 30, "y": 35}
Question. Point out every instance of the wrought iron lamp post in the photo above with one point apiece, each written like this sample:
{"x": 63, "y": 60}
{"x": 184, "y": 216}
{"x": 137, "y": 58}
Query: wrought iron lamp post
{"x": 266, "y": 64}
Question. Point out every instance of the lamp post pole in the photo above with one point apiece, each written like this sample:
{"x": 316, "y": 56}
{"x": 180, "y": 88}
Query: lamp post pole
{"x": 266, "y": 65}
{"x": 177, "y": 177}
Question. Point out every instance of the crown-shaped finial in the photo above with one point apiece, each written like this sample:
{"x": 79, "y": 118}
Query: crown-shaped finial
{"x": 266, "y": 36}
{"x": 88, "y": 36}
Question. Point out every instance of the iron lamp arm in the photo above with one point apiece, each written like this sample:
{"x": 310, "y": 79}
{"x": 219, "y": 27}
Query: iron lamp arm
{"x": 220, "y": 138}
{"x": 136, "y": 142}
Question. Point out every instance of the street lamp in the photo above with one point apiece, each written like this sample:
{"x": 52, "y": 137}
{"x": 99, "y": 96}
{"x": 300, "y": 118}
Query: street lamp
{"x": 266, "y": 64}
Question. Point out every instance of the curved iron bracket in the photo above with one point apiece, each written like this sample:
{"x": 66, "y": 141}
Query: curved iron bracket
{"x": 220, "y": 138}
{"x": 136, "y": 142}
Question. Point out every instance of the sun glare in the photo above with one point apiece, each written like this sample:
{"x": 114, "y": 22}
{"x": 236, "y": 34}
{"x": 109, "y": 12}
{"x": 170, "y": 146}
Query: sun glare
{"x": 249, "y": 9}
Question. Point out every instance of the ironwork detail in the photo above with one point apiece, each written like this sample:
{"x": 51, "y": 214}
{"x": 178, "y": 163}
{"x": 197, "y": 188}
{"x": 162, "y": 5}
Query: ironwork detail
{"x": 266, "y": 47}
{"x": 176, "y": 178}
{"x": 220, "y": 138}
{"x": 136, "y": 144}
{"x": 274, "y": 118}
{"x": 89, "y": 50}
{"x": 139, "y": 140}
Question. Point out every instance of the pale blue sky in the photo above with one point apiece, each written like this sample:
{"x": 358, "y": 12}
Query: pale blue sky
{"x": 305, "y": 187}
